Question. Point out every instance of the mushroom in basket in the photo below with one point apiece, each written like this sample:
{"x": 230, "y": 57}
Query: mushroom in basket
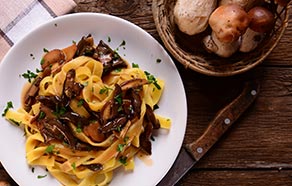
{"x": 228, "y": 23}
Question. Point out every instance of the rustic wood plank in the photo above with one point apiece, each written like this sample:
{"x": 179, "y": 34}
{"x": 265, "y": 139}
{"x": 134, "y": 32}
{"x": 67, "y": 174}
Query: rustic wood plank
{"x": 261, "y": 137}
{"x": 237, "y": 177}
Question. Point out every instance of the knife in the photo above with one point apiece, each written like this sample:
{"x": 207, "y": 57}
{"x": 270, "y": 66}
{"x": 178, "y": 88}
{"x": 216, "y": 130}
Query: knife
{"x": 193, "y": 152}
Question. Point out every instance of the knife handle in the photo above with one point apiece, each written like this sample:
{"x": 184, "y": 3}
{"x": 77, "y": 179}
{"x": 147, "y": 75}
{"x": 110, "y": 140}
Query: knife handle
{"x": 223, "y": 120}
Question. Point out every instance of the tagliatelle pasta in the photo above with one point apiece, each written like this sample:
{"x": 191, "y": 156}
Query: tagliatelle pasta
{"x": 87, "y": 113}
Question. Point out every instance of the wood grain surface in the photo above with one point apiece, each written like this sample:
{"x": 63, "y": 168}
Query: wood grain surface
{"x": 257, "y": 151}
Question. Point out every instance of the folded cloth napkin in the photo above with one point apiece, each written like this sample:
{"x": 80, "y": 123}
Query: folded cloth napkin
{"x": 18, "y": 17}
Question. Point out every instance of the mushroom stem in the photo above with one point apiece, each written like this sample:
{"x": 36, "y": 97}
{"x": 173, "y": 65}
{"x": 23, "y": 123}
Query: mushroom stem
{"x": 250, "y": 40}
{"x": 223, "y": 49}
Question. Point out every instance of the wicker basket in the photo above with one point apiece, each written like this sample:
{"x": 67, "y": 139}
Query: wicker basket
{"x": 190, "y": 51}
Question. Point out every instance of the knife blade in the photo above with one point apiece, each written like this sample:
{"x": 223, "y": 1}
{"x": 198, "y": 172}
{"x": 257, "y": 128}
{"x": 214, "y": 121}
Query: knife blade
{"x": 191, "y": 153}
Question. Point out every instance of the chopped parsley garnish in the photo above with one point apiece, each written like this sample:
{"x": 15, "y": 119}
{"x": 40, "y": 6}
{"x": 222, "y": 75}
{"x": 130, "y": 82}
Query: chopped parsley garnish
{"x": 109, "y": 39}
{"x": 123, "y": 160}
{"x": 9, "y": 105}
{"x": 152, "y": 79}
{"x": 45, "y": 50}
{"x": 120, "y": 147}
{"x": 73, "y": 165}
{"x": 118, "y": 99}
{"x": 32, "y": 169}
{"x": 155, "y": 107}
{"x": 118, "y": 70}
{"x": 29, "y": 75}
{"x": 126, "y": 138}
{"x": 123, "y": 43}
{"x": 158, "y": 60}
{"x": 105, "y": 90}
{"x": 80, "y": 102}
{"x": 41, "y": 176}
{"x": 78, "y": 129}
{"x": 50, "y": 149}
{"x": 60, "y": 111}
{"x": 42, "y": 115}
{"x": 134, "y": 65}
{"x": 42, "y": 61}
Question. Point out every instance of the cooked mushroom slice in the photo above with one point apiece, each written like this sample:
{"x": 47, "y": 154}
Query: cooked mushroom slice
{"x": 136, "y": 102}
{"x": 150, "y": 116}
{"x": 71, "y": 88}
{"x": 94, "y": 167}
{"x": 51, "y": 128}
{"x": 53, "y": 101}
{"x": 110, "y": 59}
{"x": 261, "y": 22}
{"x": 93, "y": 132}
{"x": 145, "y": 143}
{"x": 29, "y": 97}
{"x": 85, "y": 46}
{"x": 52, "y": 57}
{"x": 133, "y": 83}
{"x": 114, "y": 125}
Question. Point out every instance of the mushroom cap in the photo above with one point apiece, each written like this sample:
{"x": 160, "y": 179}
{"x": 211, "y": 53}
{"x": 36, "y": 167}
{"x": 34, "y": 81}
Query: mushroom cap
{"x": 261, "y": 19}
{"x": 229, "y": 22}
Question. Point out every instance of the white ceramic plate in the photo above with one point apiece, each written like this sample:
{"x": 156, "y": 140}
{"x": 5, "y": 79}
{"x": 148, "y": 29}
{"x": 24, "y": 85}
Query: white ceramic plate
{"x": 140, "y": 48}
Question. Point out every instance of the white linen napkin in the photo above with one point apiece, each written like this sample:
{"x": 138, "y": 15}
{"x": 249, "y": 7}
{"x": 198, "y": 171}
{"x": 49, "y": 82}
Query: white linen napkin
{"x": 18, "y": 17}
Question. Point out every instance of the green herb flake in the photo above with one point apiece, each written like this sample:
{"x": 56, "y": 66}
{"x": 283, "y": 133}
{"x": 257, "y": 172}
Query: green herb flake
{"x": 126, "y": 138}
{"x": 9, "y": 105}
{"x": 123, "y": 160}
{"x": 118, "y": 70}
{"x": 50, "y": 149}
{"x": 73, "y": 165}
{"x": 155, "y": 107}
{"x": 45, "y": 50}
{"x": 123, "y": 43}
{"x": 29, "y": 75}
{"x": 134, "y": 65}
{"x": 42, "y": 176}
{"x": 152, "y": 79}
{"x": 42, "y": 61}
{"x": 79, "y": 128}
{"x": 105, "y": 90}
{"x": 32, "y": 169}
{"x": 80, "y": 102}
{"x": 120, "y": 147}
{"x": 42, "y": 115}
{"x": 118, "y": 99}
{"x": 158, "y": 60}
{"x": 109, "y": 39}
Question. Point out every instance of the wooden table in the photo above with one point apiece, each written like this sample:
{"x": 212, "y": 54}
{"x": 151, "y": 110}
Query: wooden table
{"x": 258, "y": 148}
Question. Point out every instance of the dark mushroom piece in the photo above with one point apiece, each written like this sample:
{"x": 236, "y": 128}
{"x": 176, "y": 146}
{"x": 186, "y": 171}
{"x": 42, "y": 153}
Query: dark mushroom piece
{"x": 133, "y": 83}
{"x": 150, "y": 116}
{"x": 110, "y": 59}
{"x": 85, "y": 46}
{"x": 29, "y": 97}
{"x": 114, "y": 125}
{"x": 145, "y": 143}
{"x": 93, "y": 132}
{"x": 52, "y": 128}
{"x": 71, "y": 88}
{"x": 55, "y": 56}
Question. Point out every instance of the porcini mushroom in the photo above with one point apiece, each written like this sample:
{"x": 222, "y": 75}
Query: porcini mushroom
{"x": 261, "y": 22}
{"x": 228, "y": 23}
{"x": 191, "y": 16}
